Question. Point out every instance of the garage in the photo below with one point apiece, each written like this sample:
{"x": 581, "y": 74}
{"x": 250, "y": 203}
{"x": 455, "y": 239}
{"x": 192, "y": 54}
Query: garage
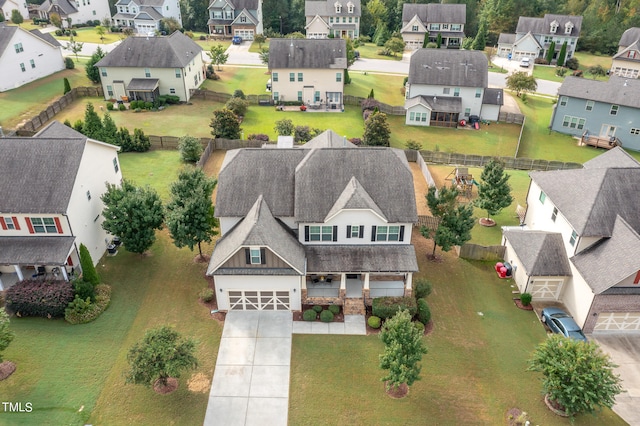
{"x": 263, "y": 300}
{"x": 545, "y": 289}
{"x": 245, "y": 34}
{"x": 618, "y": 321}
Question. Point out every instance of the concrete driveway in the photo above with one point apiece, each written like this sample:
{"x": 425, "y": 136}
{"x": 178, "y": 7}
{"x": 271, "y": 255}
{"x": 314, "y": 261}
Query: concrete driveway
{"x": 624, "y": 350}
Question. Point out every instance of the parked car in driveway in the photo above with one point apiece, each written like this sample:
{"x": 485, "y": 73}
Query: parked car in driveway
{"x": 561, "y": 322}
{"x": 524, "y": 62}
{"x": 236, "y": 40}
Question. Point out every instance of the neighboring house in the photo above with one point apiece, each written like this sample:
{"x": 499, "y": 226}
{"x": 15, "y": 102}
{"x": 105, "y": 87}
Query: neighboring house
{"x": 145, "y": 15}
{"x": 533, "y": 37}
{"x": 445, "y": 86}
{"x": 607, "y": 109}
{"x": 229, "y": 18}
{"x": 143, "y": 68}
{"x": 75, "y": 11}
{"x": 50, "y": 189}
{"x": 432, "y": 19}
{"x": 580, "y": 243}
{"x": 26, "y": 56}
{"x": 335, "y": 18}
{"x": 7, "y": 6}
{"x": 308, "y": 71}
{"x": 328, "y": 223}
{"x": 626, "y": 63}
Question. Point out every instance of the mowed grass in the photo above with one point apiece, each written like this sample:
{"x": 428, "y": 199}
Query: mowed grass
{"x": 370, "y": 51}
{"x": 474, "y": 372}
{"x": 252, "y": 81}
{"x": 90, "y": 35}
{"x": 386, "y": 88}
{"x": 157, "y": 169}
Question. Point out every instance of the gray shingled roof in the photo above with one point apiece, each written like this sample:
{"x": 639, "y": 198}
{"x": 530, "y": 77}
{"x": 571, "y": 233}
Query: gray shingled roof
{"x": 436, "y": 103}
{"x": 56, "y": 129}
{"x": 616, "y": 90}
{"x": 259, "y": 228}
{"x": 541, "y": 253}
{"x": 630, "y": 36}
{"x": 328, "y": 139}
{"x": 443, "y": 67}
{"x": 504, "y": 38}
{"x": 616, "y": 157}
{"x": 37, "y": 174}
{"x": 174, "y": 51}
{"x": 65, "y": 6}
{"x": 435, "y": 13}
{"x": 46, "y": 37}
{"x": 611, "y": 260}
{"x": 6, "y": 33}
{"x": 361, "y": 258}
{"x": 307, "y": 53}
{"x": 327, "y": 8}
{"x": 493, "y": 97}
{"x": 143, "y": 84}
{"x": 543, "y": 25}
{"x": 51, "y": 250}
{"x": 149, "y": 13}
{"x": 354, "y": 196}
{"x": 622, "y": 55}
{"x": 591, "y": 198}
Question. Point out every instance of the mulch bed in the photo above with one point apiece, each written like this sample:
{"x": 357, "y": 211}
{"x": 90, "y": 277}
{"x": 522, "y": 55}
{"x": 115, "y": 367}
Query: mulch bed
{"x": 513, "y": 417}
{"x": 6, "y": 369}
{"x": 297, "y": 316}
{"x": 556, "y": 408}
{"x": 484, "y": 221}
{"x": 172, "y": 385}
{"x": 213, "y": 305}
{"x": 201, "y": 259}
{"x": 519, "y": 304}
{"x": 397, "y": 392}
{"x": 428, "y": 329}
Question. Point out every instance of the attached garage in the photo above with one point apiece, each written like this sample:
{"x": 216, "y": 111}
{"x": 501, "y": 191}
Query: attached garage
{"x": 259, "y": 300}
{"x": 245, "y": 34}
{"x": 258, "y": 293}
{"x": 618, "y": 321}
{"x": 545, "y": 288}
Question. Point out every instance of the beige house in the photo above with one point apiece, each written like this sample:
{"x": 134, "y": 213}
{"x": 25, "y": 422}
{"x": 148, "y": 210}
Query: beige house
{"x": 143, "y": 68}
{"x": 420, "y": 20}
{"x": 308, "y": 71}
{"x": 626, "y": 63}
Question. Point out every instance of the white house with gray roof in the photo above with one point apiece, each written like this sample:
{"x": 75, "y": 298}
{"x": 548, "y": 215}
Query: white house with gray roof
{"x": 143, "y": 68}
{"x": 534, "y": 36}
{"x": 580, "y": 242}
{"x": 308, "y": 71}
{"x": 75, "y": 11}
{"x": 8, "y": 6}
{"x": 50, "y": 189}
{"x": 241, "y": 18}
{"x": 607, "y": 109}
{"x": 336, "y": 18}
{"x": 445, "y": 86}
{"x": 420, "y": 20}
{"x": 321, "y": 224}
{"x": 26, "y": 56}
{"x": 144, "y": 16}
{"x": 626, "y": 62}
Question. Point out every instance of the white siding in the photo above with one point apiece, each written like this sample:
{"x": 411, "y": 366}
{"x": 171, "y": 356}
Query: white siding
{"x": 520, "y": 276}
{"x": 467, "y": 95}
{"x": 322, "y": 80}
{"x": 421, "y": 109}
{"x": 91, "y": 11}
{"x": 490, "y": 112}
{"x": 10, "y": 5}
{"x": 577, "y": 296}
{"x": 257, "y": 282}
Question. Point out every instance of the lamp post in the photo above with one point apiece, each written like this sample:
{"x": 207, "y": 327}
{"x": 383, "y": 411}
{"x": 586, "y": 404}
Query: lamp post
{"x": 280, "y": 24}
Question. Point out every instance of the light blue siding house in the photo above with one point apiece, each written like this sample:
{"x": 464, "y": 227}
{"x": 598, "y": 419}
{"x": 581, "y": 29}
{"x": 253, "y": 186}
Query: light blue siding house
{"x": 607, "y": 109}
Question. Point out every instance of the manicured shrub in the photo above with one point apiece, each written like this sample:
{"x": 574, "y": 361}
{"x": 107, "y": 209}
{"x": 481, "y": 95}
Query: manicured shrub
{"x": 317, "y": 308}
{"x": 525, "y": 298}
{"x": 238, "y": 105}
{"x": 258, "y": 137}
{"x": 89, "y": 273}
{"x": 206, "y": 295}
{"x": 140, "y": 142}
{"x": 309, "y": 315}
{"x": 93, "y": 311}
{"x": 190, "y": 149}
{"x": 326, "y": 316}
{"x": 560, "y": 72}
{"x": 572, "y": 63}
{"x": 84, "y": 290}
{"x": 148, "y": 105}
{"x": 59, "y": 33}
{"x": 77, "y": 306}
{"x": 122, "y": 107}
{"x": 424, "y": 313}
{"x": 374, "y": 322}
{"x": 356, "y": 141}
{"x": 540, "y": 61}
{"x": 419, "y": 326}
{"x": 203, "y": 37}
{"x": 133, "y": 104}
{"x": 68, "y": 63}
{"x": 239, "y": 94}
{"x": 38, "y": 298}
{"x": 577, "y": 73}
{"x": 335, "y": 309}
{"x": 109, "y": 106}
{"x": 386, "y": 307}
{"x": 422, "y": 288}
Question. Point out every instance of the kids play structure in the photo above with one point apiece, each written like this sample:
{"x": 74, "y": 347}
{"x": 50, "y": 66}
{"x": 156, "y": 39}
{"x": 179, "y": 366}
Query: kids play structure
{"x": 463, "y": 181}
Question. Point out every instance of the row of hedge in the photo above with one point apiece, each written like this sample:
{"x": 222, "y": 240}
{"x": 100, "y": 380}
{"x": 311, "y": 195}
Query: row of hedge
{"x": 39, "y": 298}
{"x": 326, "y": 315}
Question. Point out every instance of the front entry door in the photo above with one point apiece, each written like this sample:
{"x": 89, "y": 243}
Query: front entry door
{"x": 118, "y": 90}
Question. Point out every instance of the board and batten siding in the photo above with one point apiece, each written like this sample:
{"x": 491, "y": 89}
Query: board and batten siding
{"x": 239, "y": 260}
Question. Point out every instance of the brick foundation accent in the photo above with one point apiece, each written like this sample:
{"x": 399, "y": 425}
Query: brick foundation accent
{"x": 408, "y": 292}
{"x": 322, "y": 301}
{"x": 610, "y": 303}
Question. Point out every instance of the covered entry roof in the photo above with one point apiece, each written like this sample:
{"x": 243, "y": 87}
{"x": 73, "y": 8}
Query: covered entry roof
{"x": 143, "y": 84}
{"x": 369, "y": 258}
{"x": 35, "y": 250}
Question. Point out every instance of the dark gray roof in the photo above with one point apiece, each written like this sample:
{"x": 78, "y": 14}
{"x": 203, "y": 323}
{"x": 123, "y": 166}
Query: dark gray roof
{"x": 611, "y": 260}
{"x": 616, "y": 157}
{"x": 46, "y": 37}
{"x": 591, "y": 198}
{"x": 543, "y": 25}
{"x": 436, "y": 103}
{"x": 327, "y": 8}
{"x": 65, "y": 7}
{"x": 361, "y": 258}
{"x": 307, "y": 53}
{"x": 56, "y": 129}
{"x": 174, "y": 51}
{"x": 443, "y": 67}
{"x": 435, "y": 13}
{"x": 143, "y": 84}
{"x": 504, "y": 38}
{"x": 6, "y": 34}
{"x": 623, "y": 55}
{"x": 328, "y": 139}
{"x": 32, "y": 250}
{"x": 616, "y": 90}
{"x": 541, "y": 253}
{"x": 493, "y": 97}
{"x": 239, "y": 4}
{"x": 37, "y": 174}
{"x": 149, "y": 13}
{"x": 630, "y": 36}
{"x": 259, "y": 228}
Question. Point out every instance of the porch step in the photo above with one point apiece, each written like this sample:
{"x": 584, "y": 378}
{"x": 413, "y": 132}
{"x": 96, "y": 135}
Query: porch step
{"x": 354, "y": 306}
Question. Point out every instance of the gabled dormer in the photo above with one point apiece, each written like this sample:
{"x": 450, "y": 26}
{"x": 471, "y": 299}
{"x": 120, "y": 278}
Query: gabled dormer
{"x": 415, "y": 25}
{"x": 338, "y": 7}
{"x": 354, "y": 197}
{"x": 350, "y": 7}
{"x": 568, "y": 27}
{"x": 554, "y": 27}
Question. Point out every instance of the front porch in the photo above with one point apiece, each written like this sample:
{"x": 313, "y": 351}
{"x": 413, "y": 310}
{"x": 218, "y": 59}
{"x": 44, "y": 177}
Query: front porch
{"x": 333, "y": 289}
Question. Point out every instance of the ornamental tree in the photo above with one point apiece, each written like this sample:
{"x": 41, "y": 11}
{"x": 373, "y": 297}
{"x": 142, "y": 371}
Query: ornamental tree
{"x": 225, "y": 124}
{"x": 577, "y": 375}
{"x": 190, "y": 149}
{"x": 190, "y": 213}
{"x": 89, "y": 273}
{"x": 284, "y": 127}
{"x": 161, "y": 354}
{"x": 403, "y": 350}
{"x": 6, "y": 335}
{"x": 376, "y": 130}
{"x": 494, "y": 192}
{"x": 562, "y": 55}
{"x": 454, "y": 221}
{"x": 217, "y": 55}
{"x": 16, "y": 17}
{"x": 521, "y": 82}
{"x": 132, "y": 213}
{"x": 551, "y": 52}
{"x": 93, "y": 73}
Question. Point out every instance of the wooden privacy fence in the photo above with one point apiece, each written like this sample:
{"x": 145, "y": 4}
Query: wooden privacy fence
{"x": 439, "y": 157}
{"x": 34, "y": 124}
{"x": 478, "y": 252}
{"x": 387, "y": 109}
{"x": 509, "y": 118}
{"x": 208, "y": 95}
{"x": 428, "y": 222}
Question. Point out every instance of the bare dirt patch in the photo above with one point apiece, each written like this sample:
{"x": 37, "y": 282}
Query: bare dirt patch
{"x": 201, "y": 259}
{"x": 420, "y": 187}
{"x": 397, "y": 392}
{"x": 6, "y": 369}
{"x": 199, "y": 383}
{"x": 162, "y": 389}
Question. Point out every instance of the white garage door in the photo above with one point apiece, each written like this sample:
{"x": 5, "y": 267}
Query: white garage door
{"x": 253, "y": 300}
{"x": 545, "y": 289}
{"x": 245, "y": 34}
{"x": 618, "y": 321}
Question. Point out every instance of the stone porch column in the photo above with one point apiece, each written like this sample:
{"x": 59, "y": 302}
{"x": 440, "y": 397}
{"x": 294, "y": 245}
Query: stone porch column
{"x": 19, "y": 272}
{"x": 303, "y": 282}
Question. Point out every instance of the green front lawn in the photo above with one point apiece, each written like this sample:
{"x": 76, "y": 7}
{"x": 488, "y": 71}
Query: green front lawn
{"x": 90, "y": 35}
{"x": 252, "y": 81}
{"x": 370, "y": 51}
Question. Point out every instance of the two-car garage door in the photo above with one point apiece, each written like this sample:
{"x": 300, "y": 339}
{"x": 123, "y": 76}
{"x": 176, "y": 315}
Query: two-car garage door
{"x": 254, "y": 300}
{"x": 618, "y": 321}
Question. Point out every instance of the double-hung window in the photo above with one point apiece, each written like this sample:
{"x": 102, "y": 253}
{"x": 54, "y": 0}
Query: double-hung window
{"x": 42, "y": 225}
{"x": 388, "y": 233}
{"x": 292, "y": 76}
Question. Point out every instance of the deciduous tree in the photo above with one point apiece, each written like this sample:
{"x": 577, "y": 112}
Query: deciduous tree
{"x": 521, "y": 82}
{"x": 217, "y": 55}
{"x": 284, "y": 127}
{"x": 132, "y": 213}
{"x": 597, "y": 71}
{"x": 190, "y": 149}
{"x": 260, "y": 39}
{"x": 93, "y": 73}
{"x": 74, "y": 47}
{"x": 395, "y": 45}
{"x": 494, "y": 192}
{"x": 16, "y": 17}
{"x": 376, "y": 130}
{"x": 454, "y": 221}
{"x": 225, "y": 124}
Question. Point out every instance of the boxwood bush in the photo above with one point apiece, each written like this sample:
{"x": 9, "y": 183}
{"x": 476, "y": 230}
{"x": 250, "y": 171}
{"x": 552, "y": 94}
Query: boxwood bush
{"x": 326, "y": 316}
{"x": 374, "y": 322}
{"x": 525, "y": 299}
{"x": 335, "y": 309}
{"x": 317, "y": 308}
{"x": 422, "y": 288}
{"x": 424, "y": 313}
{"x": 76, "y": 313}
{"x": 309, "y": 315}
{"x": 386, "y": 307}
{"x": 38, "y": 298}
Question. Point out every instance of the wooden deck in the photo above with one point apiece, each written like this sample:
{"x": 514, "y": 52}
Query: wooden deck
{"x": 600, "y": 142}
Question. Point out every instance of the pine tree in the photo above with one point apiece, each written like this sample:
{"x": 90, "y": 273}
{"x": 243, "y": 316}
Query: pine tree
{"x": 92, "y": 127}
{"x": 347, "y": 79}
{"x": 480, "y": 42}
{"x": 562, "y": 55}
{"x": 439, "y": 40}
{"x": 93, "y": 73}
{"x": 371, "y": 95}
{"x": 425, "y": 41}
{"x": 109, "y": 130}
{"x": 89, "y": 273}
{"x": 67, "y": 86}
{"x": 494, "y": 192}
